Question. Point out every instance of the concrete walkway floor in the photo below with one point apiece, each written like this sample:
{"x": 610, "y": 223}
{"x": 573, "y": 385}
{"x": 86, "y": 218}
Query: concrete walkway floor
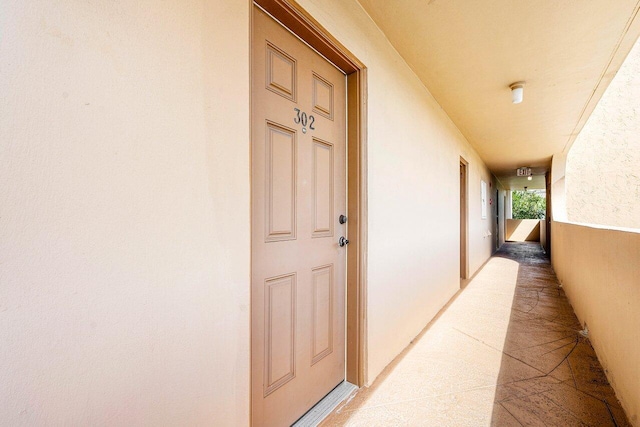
{"x": 507, "y": 351}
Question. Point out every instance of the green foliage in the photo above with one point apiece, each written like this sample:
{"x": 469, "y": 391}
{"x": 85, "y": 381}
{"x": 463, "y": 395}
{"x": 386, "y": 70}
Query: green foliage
{"x": 528, "y": 205}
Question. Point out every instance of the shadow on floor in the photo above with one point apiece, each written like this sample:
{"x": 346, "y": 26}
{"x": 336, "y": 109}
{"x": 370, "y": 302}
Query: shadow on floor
{"x": 506, "y": 350}
{"x": 566, "y": 385}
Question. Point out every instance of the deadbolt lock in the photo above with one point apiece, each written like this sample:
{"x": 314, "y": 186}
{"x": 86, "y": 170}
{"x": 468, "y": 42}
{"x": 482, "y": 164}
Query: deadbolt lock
{"x": 342, "y": 219}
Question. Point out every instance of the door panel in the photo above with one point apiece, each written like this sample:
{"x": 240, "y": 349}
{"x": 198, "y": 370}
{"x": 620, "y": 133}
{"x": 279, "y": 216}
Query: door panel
{"x": 463, "y": 220}
{"x": 280, "y": 177}
{"x": 280, "y": 340}
{"x": 323, "y": 181}
{"x": 322, "y": 328}
{"x": 298, "y": 192}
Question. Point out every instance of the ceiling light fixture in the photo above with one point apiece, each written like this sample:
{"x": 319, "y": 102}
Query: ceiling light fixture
{"x": 517, "y": 92}
{"x": 529, "y": 178}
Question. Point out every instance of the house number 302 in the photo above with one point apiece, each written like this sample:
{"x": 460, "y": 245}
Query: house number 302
{"x": 302, "y": 118}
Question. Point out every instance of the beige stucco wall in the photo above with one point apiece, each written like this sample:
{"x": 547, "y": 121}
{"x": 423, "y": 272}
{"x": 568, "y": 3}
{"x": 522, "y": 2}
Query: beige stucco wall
{"x": 558, "y": 188}
{"x": 414, "y": 151}
{"x": 597, "y": 184}
{"x": 124, "y": 213}
{"x": 124, "y": 208}
{"x": 523, "y": 230}
{"x": 603, "y": 179}
{"x": 600, "y": 272}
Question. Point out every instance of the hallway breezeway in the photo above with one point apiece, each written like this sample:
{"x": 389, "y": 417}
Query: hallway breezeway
{"x": 507, "y": 350}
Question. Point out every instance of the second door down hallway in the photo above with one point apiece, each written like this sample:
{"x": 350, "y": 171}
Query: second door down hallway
{"x": 507, "y": 351}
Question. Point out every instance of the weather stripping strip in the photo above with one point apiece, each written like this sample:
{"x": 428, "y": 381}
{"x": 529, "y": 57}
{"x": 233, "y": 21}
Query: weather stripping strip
{"x": 322, "y": 409}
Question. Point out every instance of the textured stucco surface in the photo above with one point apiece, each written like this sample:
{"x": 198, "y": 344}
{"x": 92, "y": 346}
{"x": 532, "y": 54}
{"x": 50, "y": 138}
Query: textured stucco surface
{"x": 523, "y": 230}
{"x": 602, "y": 175}
{"x": 124, "y": 213}
{"x": 125, "y": 216}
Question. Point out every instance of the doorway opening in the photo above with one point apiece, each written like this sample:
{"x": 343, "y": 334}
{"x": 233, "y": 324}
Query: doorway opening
{"x": 497, "y": 219}
{"x": 309, "y": 31}
{"x": 463, "y": 219}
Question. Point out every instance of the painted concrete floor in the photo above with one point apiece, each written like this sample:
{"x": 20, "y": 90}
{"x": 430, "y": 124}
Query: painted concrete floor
{"x": 506, "y": 351}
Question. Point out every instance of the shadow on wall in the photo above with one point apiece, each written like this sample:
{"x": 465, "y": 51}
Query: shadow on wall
{"x": 523, "y": 230}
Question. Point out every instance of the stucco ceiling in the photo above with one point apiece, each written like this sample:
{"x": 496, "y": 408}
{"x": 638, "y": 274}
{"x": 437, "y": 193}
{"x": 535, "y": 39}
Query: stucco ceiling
{"x": 467, "y": 52}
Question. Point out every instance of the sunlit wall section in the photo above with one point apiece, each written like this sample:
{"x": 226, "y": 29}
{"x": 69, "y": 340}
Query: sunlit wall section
{"x": 602, "y": 171}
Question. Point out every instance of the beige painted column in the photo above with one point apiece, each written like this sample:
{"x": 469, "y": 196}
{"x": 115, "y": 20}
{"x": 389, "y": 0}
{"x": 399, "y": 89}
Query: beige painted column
{"x": 558, "y": 198}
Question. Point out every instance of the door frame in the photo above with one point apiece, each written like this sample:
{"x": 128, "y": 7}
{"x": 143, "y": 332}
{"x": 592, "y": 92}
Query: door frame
{"x": 302, "y": 24}
{"x": 464, "y": 220}
{"x": 497, "y": 220}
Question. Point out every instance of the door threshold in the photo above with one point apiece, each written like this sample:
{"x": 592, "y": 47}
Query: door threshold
{"x": 322, "y": 409}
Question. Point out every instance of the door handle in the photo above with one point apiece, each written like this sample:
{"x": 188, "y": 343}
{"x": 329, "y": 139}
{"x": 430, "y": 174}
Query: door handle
{"x": 342, "y": 241}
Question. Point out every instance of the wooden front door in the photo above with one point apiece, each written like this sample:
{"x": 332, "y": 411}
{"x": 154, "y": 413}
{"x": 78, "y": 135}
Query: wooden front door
{"x": 298, "y": 194}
